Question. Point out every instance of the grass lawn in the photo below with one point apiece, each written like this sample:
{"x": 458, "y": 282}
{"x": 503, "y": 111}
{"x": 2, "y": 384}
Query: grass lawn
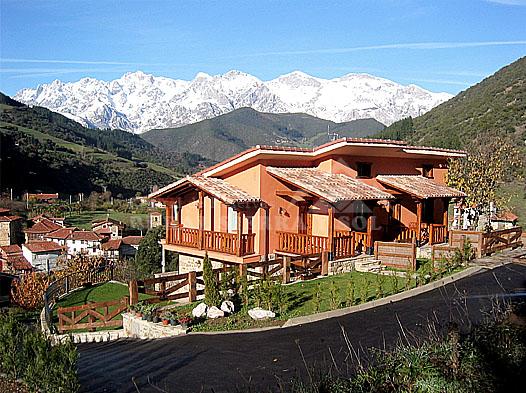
{"x": 317, "y": 295}
{"x": 97, "y": 293}
{"x": 84, "y": 219}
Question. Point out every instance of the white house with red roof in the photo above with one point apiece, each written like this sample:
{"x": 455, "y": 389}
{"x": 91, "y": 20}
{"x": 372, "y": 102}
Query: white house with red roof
{"x": 42, "y": 255}
{"x": 109, "y": 228}
{"x": 13, "y": 261}
{"x": 84, "y": 242}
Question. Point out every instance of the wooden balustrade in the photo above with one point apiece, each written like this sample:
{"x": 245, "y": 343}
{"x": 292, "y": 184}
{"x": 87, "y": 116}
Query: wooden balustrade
{"x": 212, "y": 241}
{"x": 345, "y": 243}
{"x": 437, "y": 233}
{"x": 297, "y": 243}
{"x": 406, "y": 235}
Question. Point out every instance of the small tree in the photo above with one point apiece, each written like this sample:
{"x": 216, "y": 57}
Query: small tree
{"x": 350, "y": 294}
{"x": 317, "y": 298}
{"x": 149, "y": 255}
{"x": 333, "y": 293}
{"x": 212, "y": 295}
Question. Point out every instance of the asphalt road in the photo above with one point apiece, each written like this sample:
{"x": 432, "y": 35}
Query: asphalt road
{"x": 262, "y": 360}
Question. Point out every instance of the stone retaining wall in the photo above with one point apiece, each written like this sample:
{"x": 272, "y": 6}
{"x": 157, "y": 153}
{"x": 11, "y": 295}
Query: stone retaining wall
{"x": 136, "y": 327}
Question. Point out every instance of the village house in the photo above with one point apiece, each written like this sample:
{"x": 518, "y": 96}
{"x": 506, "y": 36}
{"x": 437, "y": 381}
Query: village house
{"x": 41, "y": 197}
{"x": 115, "y": 249}
{"x": 155, "y": 219}
{"x": 40, "y": 228}
{"x": 60, "y": 235}
{"x": 13, "y": 261}
{"x": 84, "y": 242}
{"x": 109, "y": 228}
{"x": 339, "y": 198}
{"x": 10, "y": 228}
{"x": 56, "y": 220}
{"x": 42, "y": 255}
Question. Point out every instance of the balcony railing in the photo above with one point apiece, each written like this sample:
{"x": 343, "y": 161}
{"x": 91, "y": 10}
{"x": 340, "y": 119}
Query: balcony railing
{"x": 223, "y": 242}
{"x": 429, "y": 233}
{"x": 345, "y": 243}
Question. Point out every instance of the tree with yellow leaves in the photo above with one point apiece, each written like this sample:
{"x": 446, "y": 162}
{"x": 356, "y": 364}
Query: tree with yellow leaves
{"x": 491, "y": 162}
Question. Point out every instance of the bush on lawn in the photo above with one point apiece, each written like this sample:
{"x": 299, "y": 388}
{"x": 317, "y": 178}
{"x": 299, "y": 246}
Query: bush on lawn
{"x": 28, "y": 355}
{"x": 212, "y": 295}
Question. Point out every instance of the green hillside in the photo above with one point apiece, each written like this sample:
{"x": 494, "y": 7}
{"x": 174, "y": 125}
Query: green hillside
{"x": 495, "y": 106}
{"x": 493, "y": 109}
{"x": 228, "y": 134}
{"x": 44, "y": 151}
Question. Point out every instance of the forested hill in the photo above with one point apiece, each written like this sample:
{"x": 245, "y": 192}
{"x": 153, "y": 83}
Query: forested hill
{"x": 231, "y": 133}
{"x": 45, "y": 151}
{"x": 494, "y": 107}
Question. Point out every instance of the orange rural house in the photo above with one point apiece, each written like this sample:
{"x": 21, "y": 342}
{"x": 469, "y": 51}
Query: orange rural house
{"x": 340, "y": 197}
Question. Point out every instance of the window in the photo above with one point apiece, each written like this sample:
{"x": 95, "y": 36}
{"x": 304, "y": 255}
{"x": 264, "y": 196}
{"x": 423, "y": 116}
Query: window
{"x": 232, "y": 220}
{"x": 363, "y": 169}
{"x": 175, "y": 214}
{"x": 427, "y": 170}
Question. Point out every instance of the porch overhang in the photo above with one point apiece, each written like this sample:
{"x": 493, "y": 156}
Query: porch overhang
{"x": 419, "y": 187}
{"x": 215, "y": 187}
{"x": 330, "y": 187}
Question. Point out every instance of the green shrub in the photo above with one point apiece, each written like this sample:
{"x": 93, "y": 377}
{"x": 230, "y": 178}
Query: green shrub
{"x": 30, "y": 356}
{"x": 212, "y": 295}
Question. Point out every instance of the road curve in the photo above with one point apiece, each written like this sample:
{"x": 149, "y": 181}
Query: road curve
{"x": 262, "y": 360}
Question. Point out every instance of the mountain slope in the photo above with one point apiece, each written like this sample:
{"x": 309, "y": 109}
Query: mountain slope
{"x": 138, "y": 102}
{"x": 228, "y": 134}
{"x": 44, "y": 151}
{"x": 495, "y": 106}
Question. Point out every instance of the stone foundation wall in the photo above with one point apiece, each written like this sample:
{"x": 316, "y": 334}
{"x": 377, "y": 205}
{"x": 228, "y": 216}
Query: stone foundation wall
{"x": 341, "y": 266}
{"x": 136, "y": 327}
{"x": 189, "y": 263}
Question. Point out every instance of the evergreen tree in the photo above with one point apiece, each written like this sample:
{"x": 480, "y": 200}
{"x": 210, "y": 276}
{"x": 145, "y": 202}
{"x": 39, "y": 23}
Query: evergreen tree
{"x": 149, "y": 255}
{"x": 212, "y": 295}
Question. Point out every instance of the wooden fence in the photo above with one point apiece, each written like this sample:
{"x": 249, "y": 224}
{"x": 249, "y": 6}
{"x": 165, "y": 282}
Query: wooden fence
{"x": 91, "y": 316}
{"x": 66, "y": 284}
{"x": 440, "y": 253}
{"x": 485, "y": 243}
{"x": 399, "y": 255}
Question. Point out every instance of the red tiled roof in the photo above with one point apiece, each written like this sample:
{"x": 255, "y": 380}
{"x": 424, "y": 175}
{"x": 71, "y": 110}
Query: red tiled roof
{"x": 42, "y": 196}
{"x": 11, "y": 249}
{"x": 3, "y": 210}
{"x": 107, "y": 220}
{"x": 329, "y": 186}
{"x": 44, "y": 215}
{"x": 84, "y": 235}
{"x": 504, "y": 216}
{"x": 9, "y": 218}
{"x": 43, "y": 246}
{"x": 112, "y": 245}
{"x": 218, "y": 188}
{"x": 19, "y": 262}
{"x": 103, "y": 231}
{"x": 419, "y": 186}
{"x": 43, "y": 226}
{"x": 132, "y": 240}
{"x": 371, "y": 141}
{"x": 61, "y": 233}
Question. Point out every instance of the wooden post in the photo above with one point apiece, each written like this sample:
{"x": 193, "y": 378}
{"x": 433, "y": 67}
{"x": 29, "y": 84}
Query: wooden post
{"x": 192, "y": 287}
{"x": 324, "y": 263}
{"x": 239, "y": 233}
{"x": 212, "y": 214}
{"x": 370, "y": 223}
{"x": 418, "y": 221}
{"x": 242, "y": 270}
{"x": 286, "y": 270}
{"x": 445, "y": 216}
{"x": 201, "y": 206}
{"x": 330, "y": 230}
{"x": 431, "y": 233}
{"x": 134, "y": 291}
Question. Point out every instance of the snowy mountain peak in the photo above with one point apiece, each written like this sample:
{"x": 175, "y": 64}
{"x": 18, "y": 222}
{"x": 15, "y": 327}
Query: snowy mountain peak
{"x": 138, "y": 101}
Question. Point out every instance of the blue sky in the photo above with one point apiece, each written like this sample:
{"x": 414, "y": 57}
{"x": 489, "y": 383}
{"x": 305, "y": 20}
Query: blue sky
{"x": 440, "y": 45}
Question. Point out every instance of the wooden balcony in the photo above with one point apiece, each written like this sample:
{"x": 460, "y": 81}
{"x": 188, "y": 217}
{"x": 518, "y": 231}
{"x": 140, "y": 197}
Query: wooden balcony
{"x": 429, "y": 233}
{"x": 345, "y": 244}
{"x": 227, "y": 243}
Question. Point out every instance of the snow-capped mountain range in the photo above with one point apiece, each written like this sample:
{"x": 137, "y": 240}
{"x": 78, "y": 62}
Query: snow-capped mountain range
{"x": 138, "y": 102}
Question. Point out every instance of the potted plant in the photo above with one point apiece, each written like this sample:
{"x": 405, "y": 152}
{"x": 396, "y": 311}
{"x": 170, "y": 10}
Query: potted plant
{"x": 148, "y": 313}
{"x": 173, "y": 319}
{"x": 165, "y": 318}
{"x": 131, "y": 309}
{"x": 185, "y": 321}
